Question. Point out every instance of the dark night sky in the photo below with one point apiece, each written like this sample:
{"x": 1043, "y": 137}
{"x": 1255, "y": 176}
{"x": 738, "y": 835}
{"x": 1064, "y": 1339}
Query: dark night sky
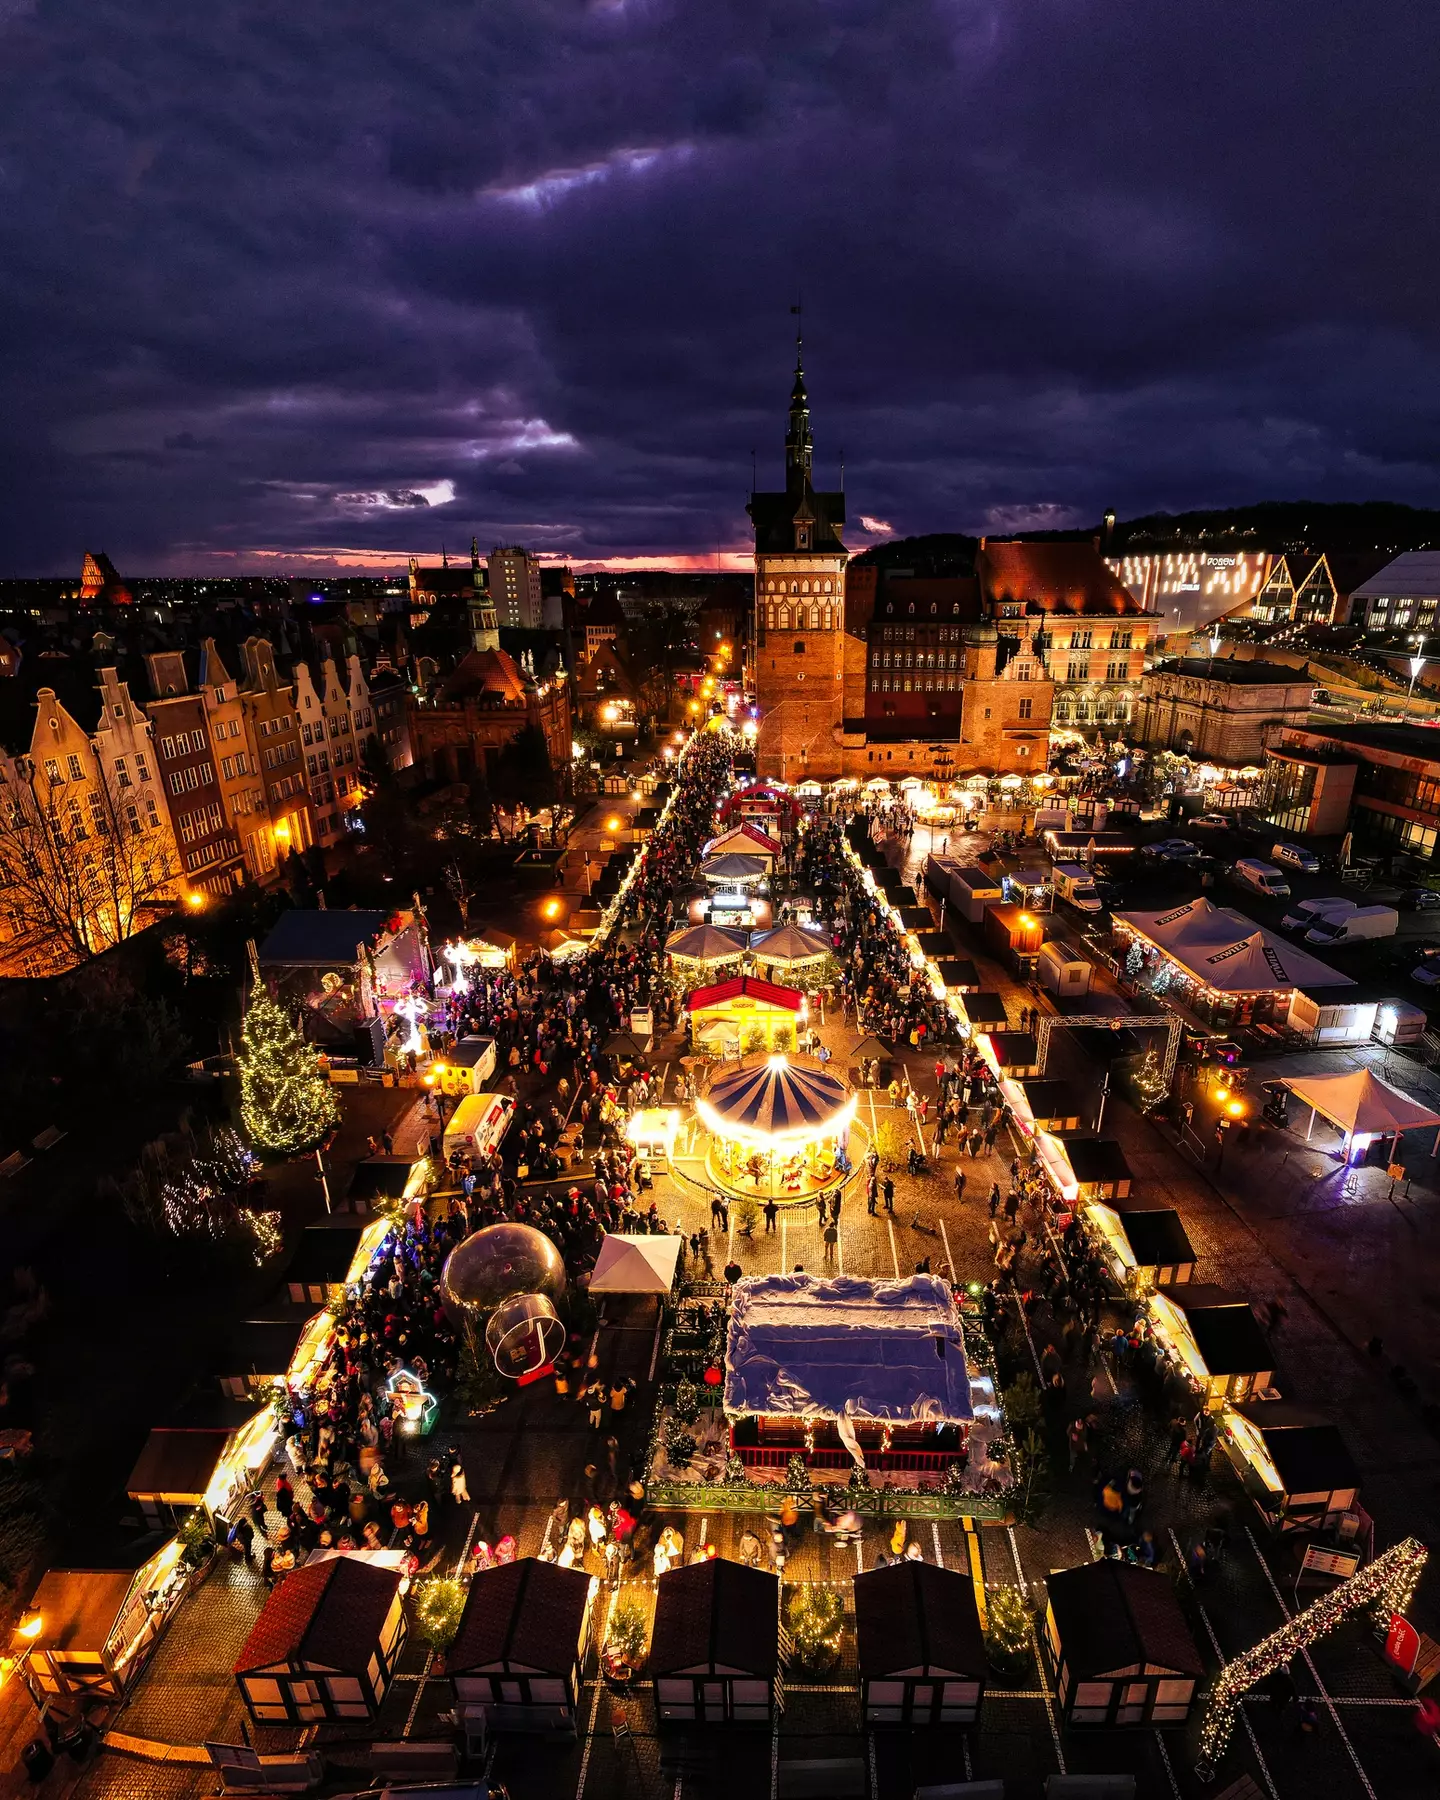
{"x": 278, "y": 278}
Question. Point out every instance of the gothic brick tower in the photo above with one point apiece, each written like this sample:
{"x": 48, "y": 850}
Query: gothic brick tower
{"x": 799, "y": 613}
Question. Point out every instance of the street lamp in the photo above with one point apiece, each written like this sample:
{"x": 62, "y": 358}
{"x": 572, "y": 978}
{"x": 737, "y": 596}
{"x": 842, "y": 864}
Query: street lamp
{"x": 1417, "y": 663}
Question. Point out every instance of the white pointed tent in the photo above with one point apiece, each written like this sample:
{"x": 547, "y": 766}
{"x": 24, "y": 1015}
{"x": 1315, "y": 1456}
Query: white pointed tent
{"x": 635, "y": 1265}
{"x": 1360, "y": 1105}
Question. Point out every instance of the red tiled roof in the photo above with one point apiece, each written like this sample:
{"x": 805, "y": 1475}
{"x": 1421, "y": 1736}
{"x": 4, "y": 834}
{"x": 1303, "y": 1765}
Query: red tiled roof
{"x": 790, "y": 998}
{"x": 522, "y": 1612}
{"x": 328, "y": 1613}
{"x": 1053, "y": 578}
{"x": 484, "y": 672}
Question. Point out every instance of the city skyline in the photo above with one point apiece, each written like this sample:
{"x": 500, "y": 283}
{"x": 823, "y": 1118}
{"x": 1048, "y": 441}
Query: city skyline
{"x": 528, "y": 275}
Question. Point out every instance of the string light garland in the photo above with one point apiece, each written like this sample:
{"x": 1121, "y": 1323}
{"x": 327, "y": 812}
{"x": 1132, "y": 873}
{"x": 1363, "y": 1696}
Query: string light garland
{"x": 1386, "y": 1586}
{"x": 816, "y": 1620}
{"x": 286, "y": 1104}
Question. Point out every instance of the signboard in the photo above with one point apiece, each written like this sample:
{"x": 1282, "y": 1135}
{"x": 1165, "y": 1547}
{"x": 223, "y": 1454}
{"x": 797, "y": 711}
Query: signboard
{"x": 1402, "y": 1644}
{"x": 1340, "y": 1563}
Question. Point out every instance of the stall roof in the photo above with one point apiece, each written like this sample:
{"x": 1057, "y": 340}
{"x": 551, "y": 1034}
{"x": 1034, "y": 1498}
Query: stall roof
{"x": 325, "y": 1252}
{"x": 1359, "y": 1101}
{"x": 934, "y": 943}
{"x": 1228, "y": 952}
{"x": 705, "y": 943}
{"x": 789, "y": 943}
{"x": 1096, "y": 1159}
{"x": 1014, "y": 1048}
{"x": 380, "y": 1178}
{"x": 916, "y": 1618}
{"x": 329, "y": 1614}
{"x": 1226, "y": 1332}
{"x": 958, "y": 972}
{"x": 1113, "y": 1616}
{"x": 635, "y": 1265}
{"x": 304, "y": 939}
{"x": 1051, "y": 1099}
{"x": 1309, "y": 1453}
{"x": 985, "y": 1009}
{"x": 748, "y": 987}
{"x": 1157, "y": 1237}
{"x": 915, "y": 918}
{"x": 716, "y": 1615}
{"x": 78, "y": 1608}
{"x": 263, "y": 1347}
{"x": 527, "y": 1612}
{"x": 177, "y": 1462}
{"x": 846, "y": 1346}
{"x": 734, "y": 866}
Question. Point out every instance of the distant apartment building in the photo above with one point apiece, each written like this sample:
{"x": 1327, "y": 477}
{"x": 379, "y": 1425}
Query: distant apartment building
{"x": 237, "y": 763}
{"x": 334, "y": 726}
{"x": 206, "y": 840}
{"x": 274, "y": 729}
{"x": 388, "y": 691}
{"x": 514, "y": 584}
{"x": 87, "y": 856}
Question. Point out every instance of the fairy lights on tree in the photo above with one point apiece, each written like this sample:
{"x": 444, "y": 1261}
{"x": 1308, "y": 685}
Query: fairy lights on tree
{"x": 816, "y": 1618}
{"x": 1007, "y": 1630}
{"x": 1150, "y": 1089}
{"x": 286, "y": 1104}
{"x": 1386, "y": 1586}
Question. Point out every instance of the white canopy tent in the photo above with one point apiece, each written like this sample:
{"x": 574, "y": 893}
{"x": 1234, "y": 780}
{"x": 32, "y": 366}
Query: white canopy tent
{"x": 635, "y": 1265}
{"x": 1361, "y": 1106}
{"x": 1228, "y": 953}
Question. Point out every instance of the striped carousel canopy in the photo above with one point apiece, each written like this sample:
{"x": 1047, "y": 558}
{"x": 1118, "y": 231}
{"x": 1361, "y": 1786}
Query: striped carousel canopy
{"x": 777, "y": 1099}
{"x": 705, "y": 943}
{"x": 789, "y": 944}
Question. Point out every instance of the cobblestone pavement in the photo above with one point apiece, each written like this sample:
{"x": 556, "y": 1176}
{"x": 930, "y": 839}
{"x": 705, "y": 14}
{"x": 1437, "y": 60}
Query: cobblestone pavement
{"x": 1343, "y": 1274}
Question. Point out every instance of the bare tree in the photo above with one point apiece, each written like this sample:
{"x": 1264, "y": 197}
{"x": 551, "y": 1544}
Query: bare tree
{"x": 81, "y": 864}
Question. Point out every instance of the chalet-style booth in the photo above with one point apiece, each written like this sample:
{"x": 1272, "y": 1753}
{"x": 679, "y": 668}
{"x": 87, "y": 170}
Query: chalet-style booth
{"x": 919, "y": 1645}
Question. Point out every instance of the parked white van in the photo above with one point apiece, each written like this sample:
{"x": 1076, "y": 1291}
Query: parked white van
{"x": 1304, "y": 913}
{"x": 1294, "y": 856}
{"x": 478, "y": 1125}
{"x": 1264, "y": 877}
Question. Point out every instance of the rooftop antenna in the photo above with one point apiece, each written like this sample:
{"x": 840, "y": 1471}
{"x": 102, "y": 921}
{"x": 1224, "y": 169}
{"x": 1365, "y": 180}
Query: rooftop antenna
{"x": 798, "y": 309}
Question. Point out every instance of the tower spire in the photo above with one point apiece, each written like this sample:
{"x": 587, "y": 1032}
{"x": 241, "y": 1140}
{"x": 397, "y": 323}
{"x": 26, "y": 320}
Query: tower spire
{"x": 799, "y": 445}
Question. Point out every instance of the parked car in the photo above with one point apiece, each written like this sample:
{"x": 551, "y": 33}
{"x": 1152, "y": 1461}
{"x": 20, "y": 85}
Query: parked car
{"x": 1173, "y": 850}
{"x": 1427, "y": 970}
{"x": 1212, "y": 822}
{"x": 1421, "y": 899}
{"x": 1295, "y": 856}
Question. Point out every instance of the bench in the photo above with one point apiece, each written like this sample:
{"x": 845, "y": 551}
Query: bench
{"x": 824, "y": 1778}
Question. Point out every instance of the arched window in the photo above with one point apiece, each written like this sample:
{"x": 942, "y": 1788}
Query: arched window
{"x": 770, "y": 586}
{"x": 784, "y": 618}
{"x": 933, "y": 609}
{"x": 827, "y": 587}
{"x": 911, "y": 609}
{"x": 794, "y": 587}
{"x": 827, "y": 614}
{"x": 814, "y": 618}
{"x": 770, "y": 614}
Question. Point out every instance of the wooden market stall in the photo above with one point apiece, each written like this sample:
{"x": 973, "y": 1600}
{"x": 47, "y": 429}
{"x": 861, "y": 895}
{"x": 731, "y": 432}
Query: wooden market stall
{"x": 326, "y": 1644}
{"x": 715, "y": 1650}
{"x": 920, "y": 1646}
{"x": 750, "y": 1012}
{"x": 1216, "y": 1339}
{"x": 1294, "y": 1464}
{"x": 1054, "y": 1105}
{"x": 518, "y": 1653}
{"x": 88, "y": 1632}
{"x": 212, "y": 1467}
{"x": 1100, "y": 1169}
{"x": 1123, "y": 1652}
{"x": 985, "y": 1011}
{"x": 332, "y": 1256}
{"x": 264, "y": 1353}
{"x": 1016, "y": 1055}
{"x": 1145, "y": 1246}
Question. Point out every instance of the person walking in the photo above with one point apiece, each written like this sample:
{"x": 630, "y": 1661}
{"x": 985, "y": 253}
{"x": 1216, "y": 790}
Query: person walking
{"x": 459, "y": 1487}
{"x": 832, "y": 1238}
{"x": 994, "y": 1197}
{"x": 772, "y": 1212}
{"x": 872, "y": 1194}
{"x": 959, "y": 1184}
{"x": 887, "y": 1189}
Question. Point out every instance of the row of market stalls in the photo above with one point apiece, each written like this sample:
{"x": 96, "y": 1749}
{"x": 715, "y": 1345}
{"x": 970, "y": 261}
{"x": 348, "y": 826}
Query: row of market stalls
{"x": 88, "y": 1632}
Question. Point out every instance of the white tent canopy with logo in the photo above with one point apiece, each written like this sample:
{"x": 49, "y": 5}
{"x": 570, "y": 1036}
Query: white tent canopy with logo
{"x": 1360, "y": 1105}
{"x": 635, "y": 1265}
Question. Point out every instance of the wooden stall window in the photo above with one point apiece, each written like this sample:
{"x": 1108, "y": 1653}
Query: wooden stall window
{"x": 1172, "y": 1700}
{"x": 886, "y": 1702}
{"x": 1092, "y": 1702}
{"x": 1132, "y": 1704}
{"x": 547, "y": 1691}
{"x": 960, "y": 1703}
{"x": 751, "y": 1699}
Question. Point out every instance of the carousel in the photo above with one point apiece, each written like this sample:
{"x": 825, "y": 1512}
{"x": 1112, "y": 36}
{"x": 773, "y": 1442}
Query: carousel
{"x": 779, "y": 1129}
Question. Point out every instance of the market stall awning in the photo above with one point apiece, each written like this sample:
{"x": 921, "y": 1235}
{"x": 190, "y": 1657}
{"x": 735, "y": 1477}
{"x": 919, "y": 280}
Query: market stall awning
{"x": 846, "y": 1347}
{"x": 733, "y": 867}
{"x": 1227, "y": 952}
{"x": 743, "y": 840}
{"x": 706, "y": 943}
{"x": 1360, "y": 1103}
{"x": 789, "y": 944}
{"x": 635, "y": 1265}
{"x": 776, "y": 1100}
{"x": 744, "y": 988}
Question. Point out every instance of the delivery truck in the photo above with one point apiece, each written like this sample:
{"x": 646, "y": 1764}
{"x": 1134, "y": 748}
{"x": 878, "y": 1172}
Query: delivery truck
{"x": 478, "y": 1125}
{"x": 1354, "y": 927}
{"x": 1074, "y": 882}
{"x": 1304, "y": 913}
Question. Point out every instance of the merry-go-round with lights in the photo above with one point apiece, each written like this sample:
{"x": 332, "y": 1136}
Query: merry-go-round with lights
{"x": 778, "y": 1128}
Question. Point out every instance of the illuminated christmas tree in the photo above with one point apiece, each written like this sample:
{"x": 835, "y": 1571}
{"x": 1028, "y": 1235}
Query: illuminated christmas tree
{"x": 1150, "y": 1089}
{"x": 1007, "y": 1630}
{"x": 286, "y": 1104}
{"x": 816, "y": 1616}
